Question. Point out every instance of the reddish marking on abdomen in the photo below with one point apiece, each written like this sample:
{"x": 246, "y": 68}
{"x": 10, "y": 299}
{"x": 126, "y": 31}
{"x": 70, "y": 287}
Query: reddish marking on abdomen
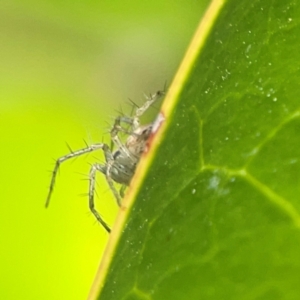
{"x": 155, "y": 127}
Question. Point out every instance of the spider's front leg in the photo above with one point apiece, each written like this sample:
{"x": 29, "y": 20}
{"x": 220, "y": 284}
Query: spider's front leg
{"x": 117, "y": 127}
{"x": 150, "y": 100}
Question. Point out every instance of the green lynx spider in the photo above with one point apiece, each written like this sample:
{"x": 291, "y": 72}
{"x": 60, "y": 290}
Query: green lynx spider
{"x": 120, "y": 164}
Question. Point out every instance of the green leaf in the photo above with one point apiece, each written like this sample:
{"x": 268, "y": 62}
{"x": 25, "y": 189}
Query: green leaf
{"x": 217, "y": 216}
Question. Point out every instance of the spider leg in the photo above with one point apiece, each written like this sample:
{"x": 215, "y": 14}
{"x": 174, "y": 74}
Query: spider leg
{"x": 95, "y": 167}
{"x": 71, "y": 155}
{"x": 117, "y": 125}
{"x": 104, "y": 169}
{"x": 150, "y": 100}
{"x": 118, "y": 128}
{"x": 141, "y": 110}
{"x": 132, "y": 121}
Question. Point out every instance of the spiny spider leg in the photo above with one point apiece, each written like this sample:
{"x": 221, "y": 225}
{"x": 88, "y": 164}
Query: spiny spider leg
{"x": 95, "y": 167}
{"x": 118, "y": 128}
{"x": 141, "y": 110}
{"x": 77, "y": 153}
{"x": 150, "y": 100}
{"x": 132, "y": 121}
{"x": 104, "y": 170}
{"x": 124, "y": 119}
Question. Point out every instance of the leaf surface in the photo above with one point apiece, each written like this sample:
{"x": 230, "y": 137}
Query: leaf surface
{"x": 217, "y": 215}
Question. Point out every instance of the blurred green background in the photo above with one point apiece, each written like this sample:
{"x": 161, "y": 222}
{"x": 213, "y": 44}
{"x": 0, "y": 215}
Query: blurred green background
{"x": 66, "y": 67}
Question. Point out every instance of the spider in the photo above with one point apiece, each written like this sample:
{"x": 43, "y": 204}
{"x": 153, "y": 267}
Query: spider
{"x": 120, "y": 164}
